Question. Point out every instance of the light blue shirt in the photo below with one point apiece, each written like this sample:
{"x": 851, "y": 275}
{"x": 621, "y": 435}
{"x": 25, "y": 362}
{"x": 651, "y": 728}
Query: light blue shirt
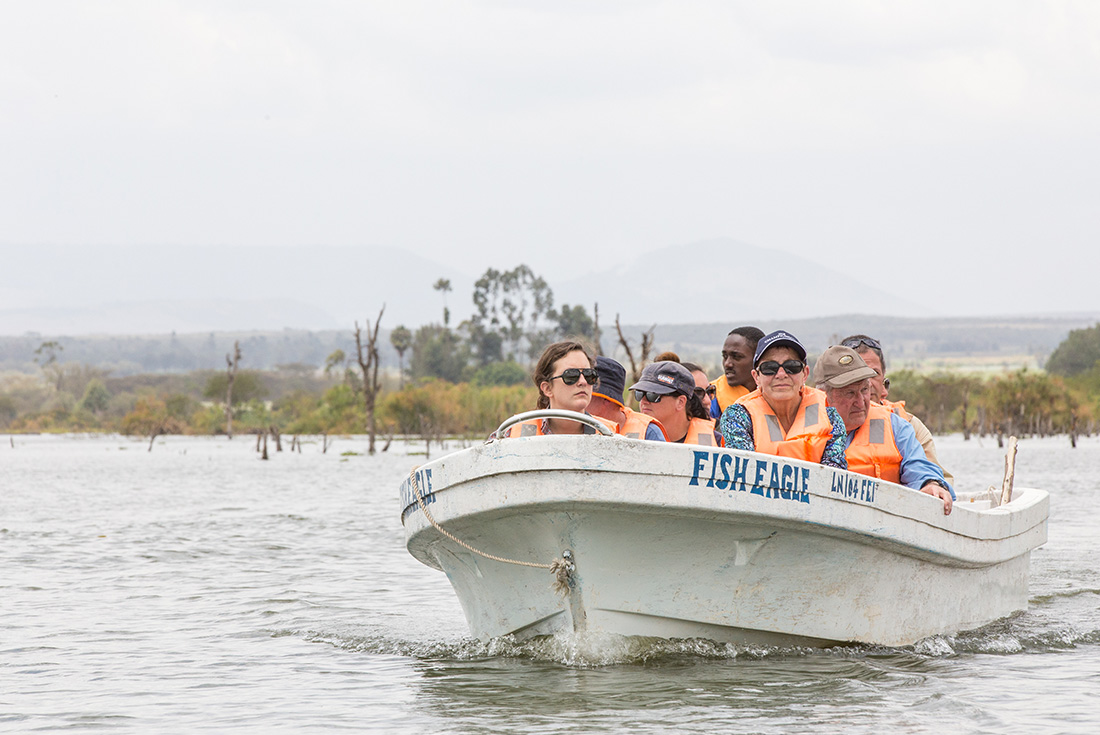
{"x": 653, "y": 432}
{"x": 916, "y": 468}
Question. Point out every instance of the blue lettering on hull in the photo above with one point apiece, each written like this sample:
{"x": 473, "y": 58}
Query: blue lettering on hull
{"x": 424, "y": 481}
{"x": 854, "y": 487}
{"x": 770, "y": 479}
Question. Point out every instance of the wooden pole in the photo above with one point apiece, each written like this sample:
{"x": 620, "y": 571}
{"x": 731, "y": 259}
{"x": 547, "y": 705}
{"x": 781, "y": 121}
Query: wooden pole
{"x": 1010, "y": 471}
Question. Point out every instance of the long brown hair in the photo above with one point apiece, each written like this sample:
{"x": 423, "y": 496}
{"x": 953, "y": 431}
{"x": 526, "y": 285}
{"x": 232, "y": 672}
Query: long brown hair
{"x": 544, "y": 370}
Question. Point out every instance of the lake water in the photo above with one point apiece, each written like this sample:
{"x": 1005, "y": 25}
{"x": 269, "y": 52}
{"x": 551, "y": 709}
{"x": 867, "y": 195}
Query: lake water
{"x": 198, "y": 588}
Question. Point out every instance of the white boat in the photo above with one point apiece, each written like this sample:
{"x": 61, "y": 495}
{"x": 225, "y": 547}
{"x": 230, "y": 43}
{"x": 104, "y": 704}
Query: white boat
{"x": 683, "y": 541}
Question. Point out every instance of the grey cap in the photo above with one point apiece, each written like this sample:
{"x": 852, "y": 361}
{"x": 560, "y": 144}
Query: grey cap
{"x": 839, "y": 366}
{"x": 666, "y": 377}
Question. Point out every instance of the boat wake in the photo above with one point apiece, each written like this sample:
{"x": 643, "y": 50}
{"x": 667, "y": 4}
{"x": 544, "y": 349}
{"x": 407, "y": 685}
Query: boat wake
{"x": 1021, "y": 633}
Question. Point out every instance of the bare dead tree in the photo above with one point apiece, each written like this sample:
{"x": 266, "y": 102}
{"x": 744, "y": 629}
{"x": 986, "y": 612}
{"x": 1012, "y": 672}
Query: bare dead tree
{"x": 596, "y": 334}
{"x": 646, "y": 347}
{"x": 428, "y": 432}
{"x": 367, "y": 356}
{"x": 231, "y": 366}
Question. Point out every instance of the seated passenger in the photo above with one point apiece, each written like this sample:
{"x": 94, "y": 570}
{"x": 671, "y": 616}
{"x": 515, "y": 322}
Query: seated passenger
{"x": 607, "y": 403}
{"x": 703, "y": 389}
{"x": 666, "y": 392}
{"x": 564, "y": 376}
{"x": 784, "y": 416}
{"x": 871, "y": 351}
{"x": 880, "y": 443}
{"x": 737, "y": 380}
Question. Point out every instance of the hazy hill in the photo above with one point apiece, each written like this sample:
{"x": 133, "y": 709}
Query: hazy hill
{"x": 161, "y": 289}
{"x": 727, "y": 280}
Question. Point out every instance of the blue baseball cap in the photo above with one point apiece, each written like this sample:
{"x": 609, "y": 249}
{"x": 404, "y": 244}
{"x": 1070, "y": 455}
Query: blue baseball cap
{"x": 779, "y": 337}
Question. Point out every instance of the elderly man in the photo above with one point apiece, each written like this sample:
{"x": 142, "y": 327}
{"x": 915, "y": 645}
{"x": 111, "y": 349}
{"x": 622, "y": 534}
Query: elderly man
{"x": 870, "y": 350}
{"x": 607, "y": 403}
{"x": 880, "y": 443}
{"x": 736, "y": 380}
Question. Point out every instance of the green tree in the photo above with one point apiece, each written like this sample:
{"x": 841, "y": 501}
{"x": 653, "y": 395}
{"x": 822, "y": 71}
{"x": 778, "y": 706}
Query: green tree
{"x": 1078, "y": 353}
{"x": 401, "y": 339}
{"x": 96, "y": 397}
{"x": 512, "y": 304}
{"x": 46, "y": 356}
{"x": 437, "y": 352}
{"x": 247, "y": 386}
{"x": 443, "y": 285}
{"x": 574, "y": 321}
{"x": 501, "y": 373}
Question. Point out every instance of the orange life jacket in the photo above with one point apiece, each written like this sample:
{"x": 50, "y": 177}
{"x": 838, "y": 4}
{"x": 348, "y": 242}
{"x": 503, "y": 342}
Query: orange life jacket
{"x": 726, "y": 394}
{"x": 701, "y": 431}
{"x": 873, "y": 450}
{"x": 533, "y": 427}
{"x": 808, "y": 435}
{"x": 636, "y": 424}
{"x": 897, "y": 407}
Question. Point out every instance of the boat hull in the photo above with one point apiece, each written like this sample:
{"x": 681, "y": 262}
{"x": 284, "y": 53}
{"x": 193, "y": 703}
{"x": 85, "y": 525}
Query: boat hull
{"x": 681, "y": 542}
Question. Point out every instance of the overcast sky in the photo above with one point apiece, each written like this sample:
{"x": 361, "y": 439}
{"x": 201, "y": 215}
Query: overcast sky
{"x": 948, "y": 147}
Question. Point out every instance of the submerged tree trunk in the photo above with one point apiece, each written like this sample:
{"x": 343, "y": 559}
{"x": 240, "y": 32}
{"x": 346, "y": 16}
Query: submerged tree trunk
{"x": 231, "y": 366}
{"x": 368, "y": 362}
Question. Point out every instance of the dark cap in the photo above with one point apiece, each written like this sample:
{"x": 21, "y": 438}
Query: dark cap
{"x": 775, "y": 339}
{"x": 666, "y": 377}
{"x": 612, "y": 379}
{"x": 839, "y": 366}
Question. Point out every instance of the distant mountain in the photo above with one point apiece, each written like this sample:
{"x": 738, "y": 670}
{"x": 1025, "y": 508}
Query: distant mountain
{"x": 136, "y": 290}
{"x": 727, "y": 281}
{"x": 55, "y": 290}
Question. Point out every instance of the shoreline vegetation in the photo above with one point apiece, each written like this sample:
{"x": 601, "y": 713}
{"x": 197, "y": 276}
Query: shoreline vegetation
{"x": 441, "y": 381}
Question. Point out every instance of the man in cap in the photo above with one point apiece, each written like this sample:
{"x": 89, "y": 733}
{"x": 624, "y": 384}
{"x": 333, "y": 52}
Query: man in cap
{"x": 607, "y": 403}
{"x": 737, "y": 363}
{"x": 880, "y": 443}
{"x": 870, "y": 349}
{"x": 666, "y": 392}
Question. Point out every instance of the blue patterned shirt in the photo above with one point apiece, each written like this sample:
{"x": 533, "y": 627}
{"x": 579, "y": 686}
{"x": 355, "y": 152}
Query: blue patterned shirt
{"x": 736, "y": 428}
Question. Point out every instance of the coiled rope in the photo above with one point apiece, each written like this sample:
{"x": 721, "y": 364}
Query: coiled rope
{"x": 562, "y": 568}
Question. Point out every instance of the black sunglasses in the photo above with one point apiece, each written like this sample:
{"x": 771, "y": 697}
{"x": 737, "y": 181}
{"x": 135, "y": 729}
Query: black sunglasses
{"x": 771, "y": 367}
{"x": 648, "y": 395}
{"x": 855, "y": 343}
{"x": 712, "y": 390}
{"x": 570, "y": 376}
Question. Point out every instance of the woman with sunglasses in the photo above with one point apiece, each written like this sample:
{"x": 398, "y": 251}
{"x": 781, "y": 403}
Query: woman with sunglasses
{"x": 666, "y": 392}
{"x": 784, "y": 416}
{"x": 565, "y": 377}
